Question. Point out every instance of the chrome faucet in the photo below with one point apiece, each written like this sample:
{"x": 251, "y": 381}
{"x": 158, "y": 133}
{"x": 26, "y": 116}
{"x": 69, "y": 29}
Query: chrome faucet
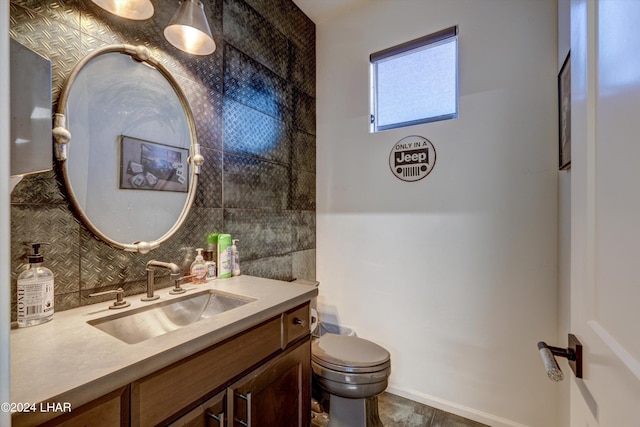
{"x": 151, "y": 266}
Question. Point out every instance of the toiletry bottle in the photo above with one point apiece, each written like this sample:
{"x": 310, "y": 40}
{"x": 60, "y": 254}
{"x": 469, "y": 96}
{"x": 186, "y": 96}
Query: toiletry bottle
{"x": 224, "y": 256}
{"x": 35, "y": 291}
{"x": 211, "y": 256}
{"x": 198, "y": 268}
{"x": 210, "y": 266}
{"x": 235, "y": 259}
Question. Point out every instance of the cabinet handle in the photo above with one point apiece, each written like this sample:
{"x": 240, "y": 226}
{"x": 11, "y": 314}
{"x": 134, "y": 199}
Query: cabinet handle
{"x": 219, "y": 418}
{"x": 246, "y": 398}
{"x": 297, "y": 321}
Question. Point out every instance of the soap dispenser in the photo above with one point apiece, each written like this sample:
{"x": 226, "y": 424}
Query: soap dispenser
{"x": 35, "y": 291}
{"x": 198, "y": 268}
{"x": 235, "y": 259}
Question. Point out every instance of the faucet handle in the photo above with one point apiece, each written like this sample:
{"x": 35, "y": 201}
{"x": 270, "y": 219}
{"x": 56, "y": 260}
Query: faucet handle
{"x": 120, "y": 302}
{"x": 177, "y": 289}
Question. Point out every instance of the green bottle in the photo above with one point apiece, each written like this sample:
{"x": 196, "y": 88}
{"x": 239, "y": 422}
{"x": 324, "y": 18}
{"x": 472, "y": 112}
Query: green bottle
{"x": 224, "y": 256}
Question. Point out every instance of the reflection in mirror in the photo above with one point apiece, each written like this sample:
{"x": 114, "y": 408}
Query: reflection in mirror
{"x": 131, "y": 169}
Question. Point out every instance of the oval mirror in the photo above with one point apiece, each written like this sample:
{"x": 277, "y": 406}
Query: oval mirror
{"x": 126, "y": 146}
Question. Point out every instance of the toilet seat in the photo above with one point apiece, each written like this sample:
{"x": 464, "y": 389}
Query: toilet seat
{"x": 342, "y": 353}
{"x": 350, "y": 367}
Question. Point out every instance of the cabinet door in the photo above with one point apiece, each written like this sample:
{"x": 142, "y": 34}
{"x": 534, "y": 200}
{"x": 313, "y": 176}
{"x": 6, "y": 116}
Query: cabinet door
{"x": 158, "y": 397}
{"x": 278, "y": 394}
{"x": 211, "y": 413}
{"x": 107, "y": 411}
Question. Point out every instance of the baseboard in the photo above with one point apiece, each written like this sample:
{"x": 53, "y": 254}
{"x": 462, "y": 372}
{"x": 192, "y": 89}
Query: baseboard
{"x": 453, "y": 408}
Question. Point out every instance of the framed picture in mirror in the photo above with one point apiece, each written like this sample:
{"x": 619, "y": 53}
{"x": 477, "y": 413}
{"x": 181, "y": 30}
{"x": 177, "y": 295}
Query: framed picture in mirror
{"x": 147, "y": 165}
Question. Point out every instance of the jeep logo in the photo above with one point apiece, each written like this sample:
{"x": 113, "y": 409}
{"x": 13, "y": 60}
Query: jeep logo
{"x": 412, "y": 158}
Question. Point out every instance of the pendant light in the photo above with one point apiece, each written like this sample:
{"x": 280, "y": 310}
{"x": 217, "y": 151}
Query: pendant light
{"x": 131, "y": 9}
{"x": 189, "y": 30}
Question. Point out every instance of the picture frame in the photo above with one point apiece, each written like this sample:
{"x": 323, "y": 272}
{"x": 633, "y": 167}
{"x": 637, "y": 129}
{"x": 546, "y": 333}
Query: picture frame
{"x": 147, "y": 165}
{"x": 564, "y": 114}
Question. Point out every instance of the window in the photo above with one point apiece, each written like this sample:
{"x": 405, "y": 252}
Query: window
{"x": 415, "y": 82}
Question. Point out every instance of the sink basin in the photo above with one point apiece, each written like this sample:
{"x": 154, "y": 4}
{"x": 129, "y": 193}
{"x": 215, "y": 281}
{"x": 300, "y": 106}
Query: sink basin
{"x": 158, "y": 319}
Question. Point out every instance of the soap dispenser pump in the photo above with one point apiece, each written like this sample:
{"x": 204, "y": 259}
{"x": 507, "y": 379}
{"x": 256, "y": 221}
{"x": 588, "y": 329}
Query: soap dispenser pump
{"x": 198, "y": 268}
{"x": 35, "y": 291}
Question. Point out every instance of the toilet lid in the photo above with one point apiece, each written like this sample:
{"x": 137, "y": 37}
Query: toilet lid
{"x": 349, "y": 354}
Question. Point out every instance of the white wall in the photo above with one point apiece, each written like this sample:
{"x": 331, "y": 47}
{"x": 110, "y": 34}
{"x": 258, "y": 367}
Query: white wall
{"x": 455, "y": 274}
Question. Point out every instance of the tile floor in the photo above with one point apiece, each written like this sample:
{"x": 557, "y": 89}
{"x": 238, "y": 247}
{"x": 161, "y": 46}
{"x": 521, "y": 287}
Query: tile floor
{"x": 396, "y": 411}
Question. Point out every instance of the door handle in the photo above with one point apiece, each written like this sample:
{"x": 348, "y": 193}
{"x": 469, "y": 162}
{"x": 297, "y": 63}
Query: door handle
{"x": 573, "y": 353}
{"x": 219, "y": 417}
{"x": 246, "y": 398}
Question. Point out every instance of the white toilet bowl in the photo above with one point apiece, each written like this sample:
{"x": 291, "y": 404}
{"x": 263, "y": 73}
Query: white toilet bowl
{"x": 353, "y": 371}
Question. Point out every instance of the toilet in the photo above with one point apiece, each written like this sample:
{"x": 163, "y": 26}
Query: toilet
{"x": 353, "y": 372}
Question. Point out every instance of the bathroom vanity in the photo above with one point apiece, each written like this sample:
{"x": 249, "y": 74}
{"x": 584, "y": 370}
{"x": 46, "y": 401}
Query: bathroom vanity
{"x": 246, "y": 365}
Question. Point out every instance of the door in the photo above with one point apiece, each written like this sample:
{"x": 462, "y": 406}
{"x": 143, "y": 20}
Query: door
{"x": 605, "y": 211}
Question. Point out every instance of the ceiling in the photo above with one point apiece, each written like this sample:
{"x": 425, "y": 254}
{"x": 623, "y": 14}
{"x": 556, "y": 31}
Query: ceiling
{"x": 321, "y": 10}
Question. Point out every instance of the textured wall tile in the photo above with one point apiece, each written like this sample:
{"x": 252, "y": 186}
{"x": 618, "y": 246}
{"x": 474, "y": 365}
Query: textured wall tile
{"x": 56, "y": 10}
{"x": 253, "y": 85}
{"x": 271, "y": 11}
{"x": 41, "y": 187}
{"x": 304, "y": 112}
{"x": 304, "y": 151}
{"x": 288, "y": 19}
{"x": 251, "y": 33}
{"x": 298, "y": 27}
{"x": 54, "y": 40}
{"x": 46, "y": 223}
{"x": 304, "y": 230}
{"x": 102, "y": 266}
{"x": 206, "y": 107}
{"x": 65, "y": 301}
{"x": 250, "y": 132}
{"x": 254, "y": 184}
{"x": 209, "y": 194}
{"x": 303, "y": 265}
{"x": 261, "y": 232}
{"x": 276, "y": 267}
{"x": 303, "y": 190}
{"x": 303, "y": 70}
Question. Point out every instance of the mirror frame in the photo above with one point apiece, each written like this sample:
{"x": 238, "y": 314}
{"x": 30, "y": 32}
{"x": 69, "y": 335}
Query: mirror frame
{"x": 62, "y": 137}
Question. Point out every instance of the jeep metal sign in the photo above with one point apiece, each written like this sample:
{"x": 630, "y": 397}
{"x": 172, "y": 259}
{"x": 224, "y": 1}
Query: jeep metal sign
{"x": 412, "y": 158}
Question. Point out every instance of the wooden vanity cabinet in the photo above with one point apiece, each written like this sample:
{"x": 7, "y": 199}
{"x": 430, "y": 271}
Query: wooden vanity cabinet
{"x": 260, "y": 377}
{"x": 272, "y": 362}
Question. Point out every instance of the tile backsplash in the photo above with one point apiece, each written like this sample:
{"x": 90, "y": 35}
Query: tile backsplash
{"x": 253, "y": 102}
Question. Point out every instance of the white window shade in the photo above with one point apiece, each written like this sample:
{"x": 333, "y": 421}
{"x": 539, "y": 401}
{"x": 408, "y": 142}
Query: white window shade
{"x": 416, "y": 82}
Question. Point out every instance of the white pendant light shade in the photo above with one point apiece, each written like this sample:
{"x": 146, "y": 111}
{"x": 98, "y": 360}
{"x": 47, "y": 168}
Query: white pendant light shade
{"x": 131, "y": 9}
{"x": 189, "y": 30}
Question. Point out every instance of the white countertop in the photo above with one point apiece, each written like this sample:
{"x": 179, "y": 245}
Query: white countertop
{"x": 68, "y": 360}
